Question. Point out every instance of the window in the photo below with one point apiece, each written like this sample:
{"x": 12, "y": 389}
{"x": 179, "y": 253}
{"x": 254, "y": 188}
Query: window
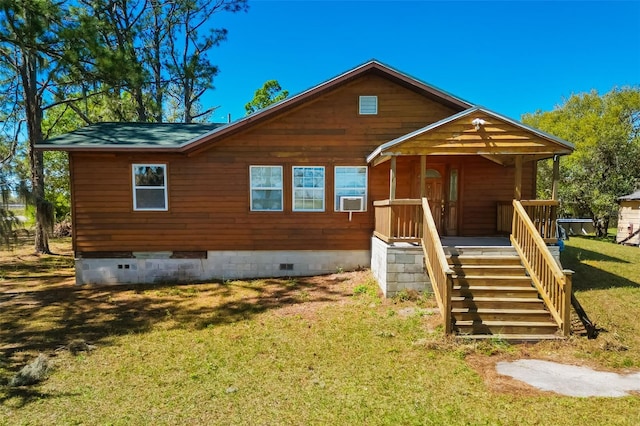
{"x": 308, "y": 189}
{"x": 350, "y": 182}
{"x": 368, "y": 105}
{"x": 453, "y": 185}
{"x": 150, "y": 187}
{"x": 266, "y": 188}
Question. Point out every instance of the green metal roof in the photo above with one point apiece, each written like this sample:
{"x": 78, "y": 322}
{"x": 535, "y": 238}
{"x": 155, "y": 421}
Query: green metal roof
{"x": 129, "y": 135}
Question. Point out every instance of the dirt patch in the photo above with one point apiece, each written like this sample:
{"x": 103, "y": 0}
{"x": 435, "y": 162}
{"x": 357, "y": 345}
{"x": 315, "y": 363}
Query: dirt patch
{"x": 321, "y": 291}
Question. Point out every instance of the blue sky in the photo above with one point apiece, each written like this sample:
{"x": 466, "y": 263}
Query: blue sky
{"x": 512, "y": 57}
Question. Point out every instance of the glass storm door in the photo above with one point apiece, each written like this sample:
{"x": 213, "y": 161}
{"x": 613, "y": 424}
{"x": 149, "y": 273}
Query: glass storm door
{"x": 451, "y": 205}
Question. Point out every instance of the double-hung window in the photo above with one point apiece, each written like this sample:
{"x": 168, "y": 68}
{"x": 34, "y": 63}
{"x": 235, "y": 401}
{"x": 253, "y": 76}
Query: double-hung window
{"x": 350, "y": 181}
{"x": 150, "y": 187}
{"x": 308, "y": 189}
{"x": 266, "y": 188}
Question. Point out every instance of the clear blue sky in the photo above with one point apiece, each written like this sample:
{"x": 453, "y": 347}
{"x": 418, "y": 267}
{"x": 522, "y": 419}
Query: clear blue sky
{"x": 510, "y": 56}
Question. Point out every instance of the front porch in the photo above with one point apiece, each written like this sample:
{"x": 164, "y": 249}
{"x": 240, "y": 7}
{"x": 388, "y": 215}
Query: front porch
{"x": 485, "y": 286}
{"x": 397, "y": 257}
{"x": 473, "y": 174}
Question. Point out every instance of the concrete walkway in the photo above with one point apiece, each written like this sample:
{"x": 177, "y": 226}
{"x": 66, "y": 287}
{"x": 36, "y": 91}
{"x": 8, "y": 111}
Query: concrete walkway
{"x": 570, "y": 380}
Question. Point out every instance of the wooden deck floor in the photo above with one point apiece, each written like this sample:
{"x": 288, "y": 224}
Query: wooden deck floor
{"x": 475, "y": 242}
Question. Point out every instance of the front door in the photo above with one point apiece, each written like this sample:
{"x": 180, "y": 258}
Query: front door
{"x": 434, "y": 191}
{"x": 441, "y": 189}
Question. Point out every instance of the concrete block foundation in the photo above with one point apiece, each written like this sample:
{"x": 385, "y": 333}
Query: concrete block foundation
{"x": 398, "y": 267}
{"x": 148, "y": 267}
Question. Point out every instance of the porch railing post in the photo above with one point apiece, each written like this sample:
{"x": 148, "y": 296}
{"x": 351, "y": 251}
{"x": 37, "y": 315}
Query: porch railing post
{"x": 392, "y": 179}
{"x": 517, "y": 193}
{"x": 556, "y": 177}
{"x": 568, "y": 290}
{"x": 423, "y": 175}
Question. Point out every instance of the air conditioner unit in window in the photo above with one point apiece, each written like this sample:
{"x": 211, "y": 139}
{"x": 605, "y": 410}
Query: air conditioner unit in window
{"x": 351, "y": 204}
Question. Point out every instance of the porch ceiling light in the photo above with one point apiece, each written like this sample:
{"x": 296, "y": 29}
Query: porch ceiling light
{"x": 477, "y": 122}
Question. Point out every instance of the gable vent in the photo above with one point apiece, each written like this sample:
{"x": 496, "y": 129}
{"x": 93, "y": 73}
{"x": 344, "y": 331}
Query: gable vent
{"x": 368, "y": 105}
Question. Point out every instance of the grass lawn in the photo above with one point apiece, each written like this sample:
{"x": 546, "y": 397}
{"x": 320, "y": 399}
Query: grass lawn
{"x": 319, "y": 350}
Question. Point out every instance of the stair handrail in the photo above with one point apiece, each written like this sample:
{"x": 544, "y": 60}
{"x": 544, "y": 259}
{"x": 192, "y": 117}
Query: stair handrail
{"x": 436, "y": 261}
{"x": 552, "y": 282}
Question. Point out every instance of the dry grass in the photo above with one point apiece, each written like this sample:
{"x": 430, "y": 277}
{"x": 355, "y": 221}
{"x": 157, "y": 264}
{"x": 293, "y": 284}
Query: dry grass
{"x": 319, "y": 350}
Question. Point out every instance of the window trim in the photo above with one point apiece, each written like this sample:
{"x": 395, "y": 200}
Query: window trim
{"x": 281, "y": 189}
{"x": 367, "y": 97}
{"x": 135, "y": 187}
{"x": 336, "y": 200}
{"x": 293, "y": 189}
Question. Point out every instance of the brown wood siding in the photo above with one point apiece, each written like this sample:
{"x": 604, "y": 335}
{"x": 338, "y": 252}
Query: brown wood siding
{"x": 484, "y": 183}
{"x": 208, "y": 193}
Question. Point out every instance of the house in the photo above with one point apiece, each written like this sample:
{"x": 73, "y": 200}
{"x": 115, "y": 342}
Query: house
{"x": 370, "y": 168}
{"x": 629, "y": 219}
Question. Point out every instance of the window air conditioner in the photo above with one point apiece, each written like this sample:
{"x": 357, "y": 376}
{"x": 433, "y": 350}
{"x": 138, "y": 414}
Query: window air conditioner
{"x": 351, "y": 204}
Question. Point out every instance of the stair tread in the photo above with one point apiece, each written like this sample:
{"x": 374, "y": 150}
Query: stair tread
{"x": 523, "y": 337}
{"x": 507, "y": 323}
{"x": 493, "y": 287}
{"x": 500, "y": 310}
{"x": 496, "y": 299}
{"x": 482, "y": 256}
{"x": 486, "y": 266}
{"x": 493, "y": 277}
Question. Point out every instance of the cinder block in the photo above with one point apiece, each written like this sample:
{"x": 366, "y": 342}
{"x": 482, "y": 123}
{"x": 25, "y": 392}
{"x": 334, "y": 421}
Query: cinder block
{"x": 396, "y": 267}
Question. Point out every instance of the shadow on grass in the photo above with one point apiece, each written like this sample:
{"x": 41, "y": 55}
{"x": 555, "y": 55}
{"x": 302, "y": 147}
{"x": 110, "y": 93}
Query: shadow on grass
{"x": 18, "y": 397}
{"x": 588, "y": 277}
{"x": 45, "y": 319}
{"x": 40, "y": 265}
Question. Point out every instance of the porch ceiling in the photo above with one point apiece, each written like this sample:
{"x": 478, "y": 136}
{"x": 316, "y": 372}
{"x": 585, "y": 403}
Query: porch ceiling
{"x": 475, "y": 131}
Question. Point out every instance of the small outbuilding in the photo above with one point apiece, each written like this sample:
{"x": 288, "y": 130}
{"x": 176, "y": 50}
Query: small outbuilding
{"x": 629, "y": 219}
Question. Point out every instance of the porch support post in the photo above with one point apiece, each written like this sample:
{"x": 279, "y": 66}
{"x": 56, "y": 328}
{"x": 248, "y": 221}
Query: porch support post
{"x": 423, "y": 175}
{"x": 392, "y": 179}
{"x": 556, "y": 177}
{"x": 518, "y": 184}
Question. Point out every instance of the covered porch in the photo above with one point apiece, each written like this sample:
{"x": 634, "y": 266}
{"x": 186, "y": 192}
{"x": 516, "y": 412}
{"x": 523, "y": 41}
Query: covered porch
{"x": 461, "y": 198}
{"x": 470, "y": 167}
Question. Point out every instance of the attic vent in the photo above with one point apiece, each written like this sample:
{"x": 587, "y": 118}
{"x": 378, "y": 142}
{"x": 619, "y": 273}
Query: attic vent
{"x": 368, "y": 105}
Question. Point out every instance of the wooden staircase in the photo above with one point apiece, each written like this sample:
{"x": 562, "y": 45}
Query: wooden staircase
{"x": 493, "y": 297}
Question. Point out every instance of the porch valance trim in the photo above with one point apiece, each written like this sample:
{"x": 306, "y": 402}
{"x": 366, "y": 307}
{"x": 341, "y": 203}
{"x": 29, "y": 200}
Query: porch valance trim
{"x": 393, "y": 147}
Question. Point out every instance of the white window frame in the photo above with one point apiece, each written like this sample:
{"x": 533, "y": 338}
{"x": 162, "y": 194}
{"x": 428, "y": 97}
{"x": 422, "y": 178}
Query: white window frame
{"x": 266, "y": 188}
{"x": 293, "y": 188}
{"x": 337, "y": 196}
{"x": 141, "y": 187}
{"x": 363, "y": 99}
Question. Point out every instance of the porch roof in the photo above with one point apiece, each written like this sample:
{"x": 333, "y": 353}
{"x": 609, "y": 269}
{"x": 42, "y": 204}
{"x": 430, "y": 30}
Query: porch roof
{"x": 475, "y": 131}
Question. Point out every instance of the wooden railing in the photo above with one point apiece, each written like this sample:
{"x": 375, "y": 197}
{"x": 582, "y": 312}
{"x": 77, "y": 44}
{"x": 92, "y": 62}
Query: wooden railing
{"x": 398, "y": 220}
{"x": 439, "y": 271}
{"x": 553, "y": 283}
{"x": 543, "y": 215}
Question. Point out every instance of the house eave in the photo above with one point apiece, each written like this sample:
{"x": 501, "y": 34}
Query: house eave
{"x": 390, "y": 148}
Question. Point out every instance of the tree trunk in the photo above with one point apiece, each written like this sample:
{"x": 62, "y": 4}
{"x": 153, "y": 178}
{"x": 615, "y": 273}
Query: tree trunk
{"x": 156, "y": 63}
{"x": 141, "y": 110}
{"x": 28, "y": 74}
